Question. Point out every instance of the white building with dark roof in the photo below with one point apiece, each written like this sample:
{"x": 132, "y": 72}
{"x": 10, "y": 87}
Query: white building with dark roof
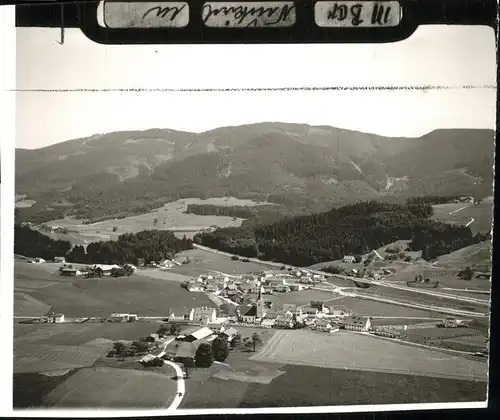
{"x": 205, "y": 314}
{"x": 357, "y": 323}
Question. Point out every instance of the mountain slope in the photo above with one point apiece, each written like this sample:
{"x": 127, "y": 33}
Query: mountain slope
{"x": 306, "y": 168}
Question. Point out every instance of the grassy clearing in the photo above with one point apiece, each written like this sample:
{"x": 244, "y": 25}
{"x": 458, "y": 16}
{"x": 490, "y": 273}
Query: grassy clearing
{"x": 114, "y": 388}
{"x": 366, "y": 353}
{"x": 203, "y": 262}
{"x": 100, "y": 297}
{"x": 482, "y": 215}
{"x": 171, "y": 216}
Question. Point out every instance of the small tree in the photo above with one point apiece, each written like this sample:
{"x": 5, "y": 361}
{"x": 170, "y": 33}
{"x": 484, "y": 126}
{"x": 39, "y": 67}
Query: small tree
{"x": 115, "y": 228}
{"x": 155, "y": 222}
{"x": 256, "y": 340}
{"x": 174, "y": 328}
{"x": 204, "y": 356}
{"x": 220, "y": 349}
{"x": 162, "y": 331}
{"x": 236, "y": 341}
{"x": 119, "y": 348}
{"x": 358, "y": 258}
{"x": 140, "y": 346}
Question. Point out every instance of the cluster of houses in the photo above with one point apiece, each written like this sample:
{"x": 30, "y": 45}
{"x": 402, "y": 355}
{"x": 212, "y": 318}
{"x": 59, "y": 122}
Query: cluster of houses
{"x": 100, "y": 269}
{"x": 237, "y": 288}
{"x": 316, "y": 316}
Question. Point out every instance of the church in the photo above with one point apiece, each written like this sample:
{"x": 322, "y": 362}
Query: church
{"x": 255, "y": 313}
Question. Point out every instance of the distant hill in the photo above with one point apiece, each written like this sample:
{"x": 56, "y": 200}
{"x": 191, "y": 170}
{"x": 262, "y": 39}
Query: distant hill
{"x": 307, "y": 168}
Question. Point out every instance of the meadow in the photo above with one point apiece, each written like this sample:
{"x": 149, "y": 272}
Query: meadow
{"x": 171, "y": 216}
{"x": 373, "y": 308}
{"x": 366, "y": 353}
{"x": 204, "y": 262}
{"x": 462, "y": 213}
{"x": 79, "y": 297}
{"x": 114, "y": 388}
{"x": 302, "y": 386}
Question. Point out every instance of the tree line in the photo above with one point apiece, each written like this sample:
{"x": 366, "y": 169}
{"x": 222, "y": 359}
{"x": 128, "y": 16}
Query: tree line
{"x": 433, "y": 199}
{"x": 149, "y": 245}
{"x": 348, "y": 230}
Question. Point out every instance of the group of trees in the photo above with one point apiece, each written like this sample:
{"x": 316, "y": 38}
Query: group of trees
{"x": 348, "y": 230}
{"x": 31, "y": 243}
{"x": 149, "y": 245}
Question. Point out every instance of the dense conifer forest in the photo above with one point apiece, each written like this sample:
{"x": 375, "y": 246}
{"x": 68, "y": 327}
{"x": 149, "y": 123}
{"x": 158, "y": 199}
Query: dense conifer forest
{"x": 150, "y": 245}
{"x": 348, "y": 230}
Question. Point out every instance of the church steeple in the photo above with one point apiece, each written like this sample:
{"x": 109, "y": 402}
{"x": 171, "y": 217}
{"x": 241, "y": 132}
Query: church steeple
{"x": 260, "y": 304}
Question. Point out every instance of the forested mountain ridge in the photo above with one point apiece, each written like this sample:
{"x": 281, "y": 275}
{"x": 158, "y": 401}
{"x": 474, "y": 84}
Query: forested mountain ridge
{"x": 302, "y": 167}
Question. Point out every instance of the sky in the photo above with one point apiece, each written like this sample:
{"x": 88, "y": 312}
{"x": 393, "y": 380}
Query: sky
{"x": 450, "y": 56}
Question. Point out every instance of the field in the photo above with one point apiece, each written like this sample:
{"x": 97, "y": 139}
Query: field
{"x": 366, "y": 353}
{"x": 78, "y": 297}
{"x": 408, "y": 296}
{"x": 463, "y": 213}
{"x": 202, "y": 262}
{"x": 301, "y": 386}
{"x": 171, "y": 217}
{"x": 473, "y": 255}
{"x": 114, "y": 388}
{"x": 300, "y": 298}
{"x": 373, "y": 308}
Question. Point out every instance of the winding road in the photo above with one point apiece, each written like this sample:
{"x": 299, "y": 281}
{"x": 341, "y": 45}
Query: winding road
{"x": 181, "y": 386}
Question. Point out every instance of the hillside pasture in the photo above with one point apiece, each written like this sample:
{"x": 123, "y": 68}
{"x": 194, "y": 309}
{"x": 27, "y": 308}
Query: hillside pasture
{"x": 114, "y": 388}
{"x": 462, "y": 213}
{"x": 79, "y": 297}
{"x": 171, "y": 216}
{"x": 366, "y": 353}
{"x": 473, "y": 255}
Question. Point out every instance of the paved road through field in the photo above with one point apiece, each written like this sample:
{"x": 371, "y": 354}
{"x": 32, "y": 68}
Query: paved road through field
{"x": 181, "y": 386}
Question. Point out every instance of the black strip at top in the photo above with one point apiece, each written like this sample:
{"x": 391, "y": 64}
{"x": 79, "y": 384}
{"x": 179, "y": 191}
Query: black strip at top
{"x": 83, "y": 14}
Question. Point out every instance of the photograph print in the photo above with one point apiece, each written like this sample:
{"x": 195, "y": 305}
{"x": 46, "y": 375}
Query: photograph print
{"x": 195, "y": 231}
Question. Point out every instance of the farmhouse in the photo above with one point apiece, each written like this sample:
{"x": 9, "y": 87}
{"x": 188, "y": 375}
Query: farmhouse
{"x": 56, "y": 318}
{"x": 205, "y": 314}
{"x": 267, "y": 274}
{"x": 194, "y": 287}
{"x": 186, "y": 353}
{"x": 182, "y": 315}
{"x": 267, "y": 323}
{"x": 323, "y": 325}
{"x": 307, "y": 310}
{"x": 216, "y": 328}
{"x": 319, "y": 304}
{"x": 273, "y": 314}
{"x": 211, "y": 288}
{"x": 281, "y": 288}
{"x": 104, "y": 270}
{"x": 348, "y": 259}
{"x": 60, "y": 260}
{"x": 339, "y": 311}
{"x": 306, "y": 280}
{"x": 117, "y": 317}
{"x": 230, "y": 333}
{"x": 357, "y": 323}
{"x": 296, "y": 287}
{"x": 284, "y": 321}
{"x": 38, "y": 261}
{"x": 256, "y": 289}
{"x": 292, "y": 308}
{"x": 70, "y": 272}
{"x": 277, "y": 281}
{"x": 194, "y": 334}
